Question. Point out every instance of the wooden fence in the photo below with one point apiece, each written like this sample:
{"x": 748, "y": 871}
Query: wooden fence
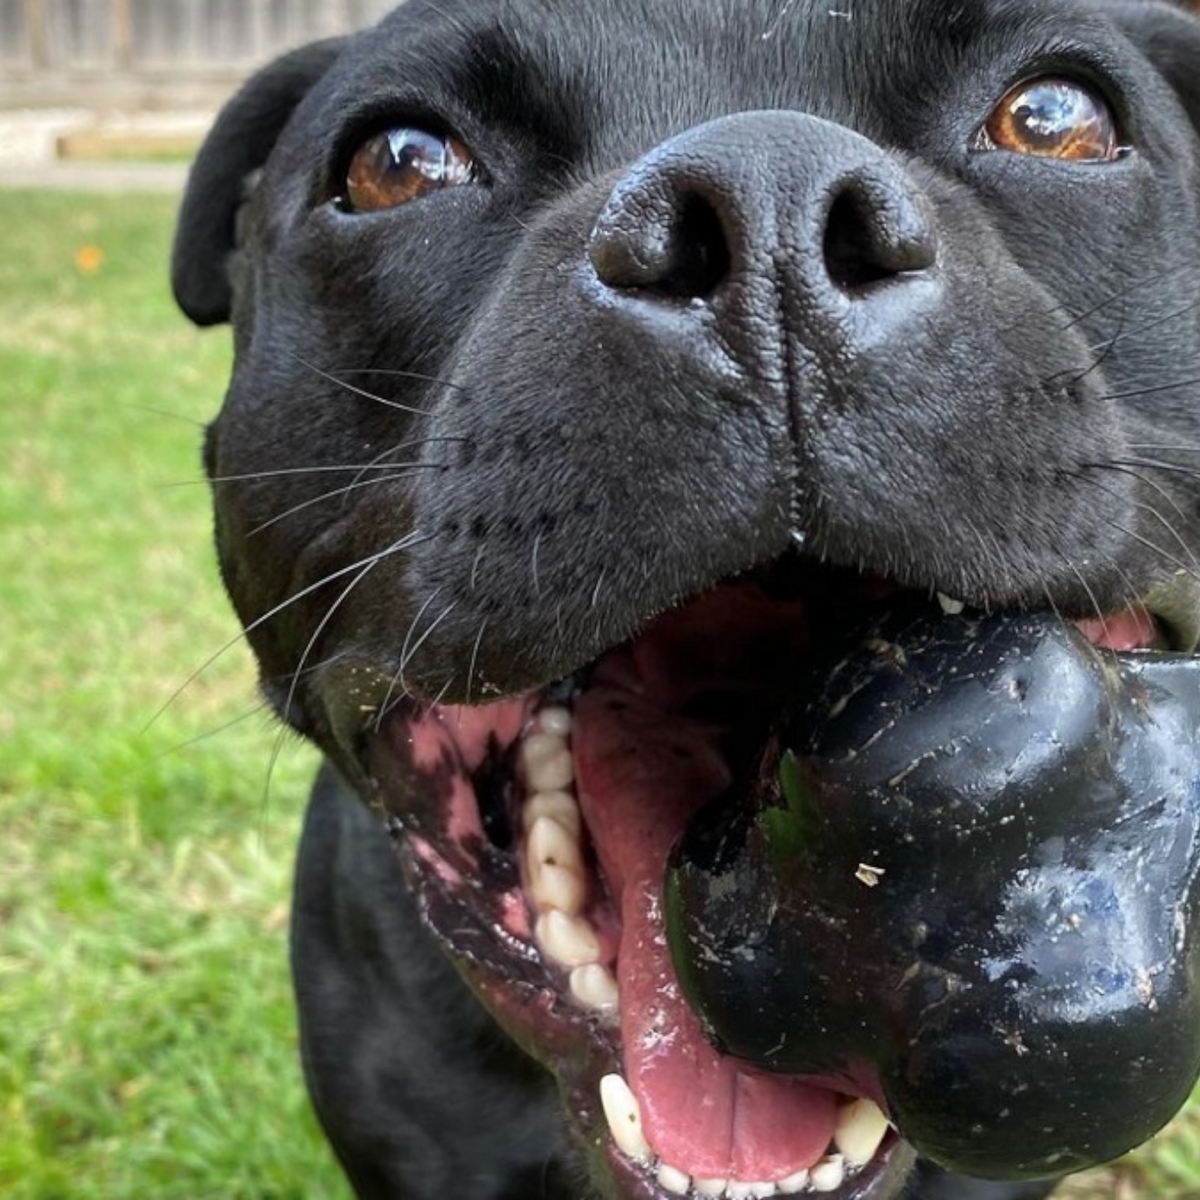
{"x": 53, "y": 45}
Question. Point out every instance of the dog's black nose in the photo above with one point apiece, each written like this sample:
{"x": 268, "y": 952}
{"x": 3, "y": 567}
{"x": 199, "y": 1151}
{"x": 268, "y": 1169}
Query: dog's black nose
{"x": 784, "y": 197}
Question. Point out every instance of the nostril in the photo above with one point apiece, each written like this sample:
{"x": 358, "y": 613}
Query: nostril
{"x": 672, "y": 243}
{"x": 848, "y": 257}
{"x": 870, "y": 239}
{"x": 699, "y": 257}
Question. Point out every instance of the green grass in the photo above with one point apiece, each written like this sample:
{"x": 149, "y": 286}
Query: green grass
{"x": 147, "y": 1043}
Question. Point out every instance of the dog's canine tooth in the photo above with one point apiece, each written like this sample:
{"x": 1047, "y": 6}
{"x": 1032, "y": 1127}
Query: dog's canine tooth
{"x": 556, "y": 720}
{"x": 861, "y": 1126}
{"x": 672, "y": 1179}
{"x": 595, "y": 986}
{"x": 828, "y": 1175}
{"x": 710, "y": 1187}
{"x": 949, "y": 605}
{"x": 796, "y": 1182}
{"x": 570, "y": 941}
{"x": 546, "y": 760}
{"x": 559, "y": 805}
{"x": 557, "y": 878}
{"x": 624, "y": 1117}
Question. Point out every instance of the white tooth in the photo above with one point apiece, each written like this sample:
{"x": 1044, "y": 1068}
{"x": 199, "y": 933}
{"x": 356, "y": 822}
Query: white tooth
{"x": 750, "y": 1191}
{"x": 550, "y": 842}
{"x": 552, "y": 886}
{"x": 624, "y": 1117}
{"x": 860, "y": 1129}
{"x": 672, "y": 1179}
{"x": 710, "y": 1187}
{"x": 546, "y": 759}
{"x": 869, "y": 874}
{"x": 595, "y": 986}
{"x": 796, "y": 1182}
{"x": 950, "y": 607}
{"x": 556, "y": 720}
{"x": 570, "y": 941}
{"x": 828, "y": 1175}
{"x": 556, "y": 873}
{"x": 559, "y": 805}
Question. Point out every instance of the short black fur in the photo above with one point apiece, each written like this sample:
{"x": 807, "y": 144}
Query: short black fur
{"x": 473, "y": 442}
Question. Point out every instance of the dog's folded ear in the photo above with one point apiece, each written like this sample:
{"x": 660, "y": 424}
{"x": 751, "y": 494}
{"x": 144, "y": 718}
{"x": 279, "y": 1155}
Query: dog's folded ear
{"x": 237, "y": 146}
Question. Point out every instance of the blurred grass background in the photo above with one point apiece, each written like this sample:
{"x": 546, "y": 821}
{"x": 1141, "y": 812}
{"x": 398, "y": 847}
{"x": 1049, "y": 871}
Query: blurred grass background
{"x": 147, "y": 1042}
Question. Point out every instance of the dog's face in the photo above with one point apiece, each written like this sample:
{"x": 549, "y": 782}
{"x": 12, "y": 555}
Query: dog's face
{"x": 600, "y": 370}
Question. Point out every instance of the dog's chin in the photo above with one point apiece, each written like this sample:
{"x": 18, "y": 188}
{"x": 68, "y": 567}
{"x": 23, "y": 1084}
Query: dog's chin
{"x": 538, "y": 832}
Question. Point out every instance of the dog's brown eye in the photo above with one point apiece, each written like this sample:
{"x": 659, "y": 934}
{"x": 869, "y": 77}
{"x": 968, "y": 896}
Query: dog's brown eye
{"x": 404, "y": 164}
{"x": 1053, "y": 118}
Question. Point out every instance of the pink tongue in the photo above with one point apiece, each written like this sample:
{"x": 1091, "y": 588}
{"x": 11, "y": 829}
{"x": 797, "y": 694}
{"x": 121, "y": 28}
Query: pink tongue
{"x": 640, "y": 775}
{"x": 1132, "y": 629}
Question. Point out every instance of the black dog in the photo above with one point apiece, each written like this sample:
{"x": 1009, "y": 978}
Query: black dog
{"x": 603, "y": 370}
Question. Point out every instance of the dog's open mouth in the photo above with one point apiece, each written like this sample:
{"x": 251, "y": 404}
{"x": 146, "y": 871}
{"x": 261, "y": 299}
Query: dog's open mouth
{"x": 540, "y": 833}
